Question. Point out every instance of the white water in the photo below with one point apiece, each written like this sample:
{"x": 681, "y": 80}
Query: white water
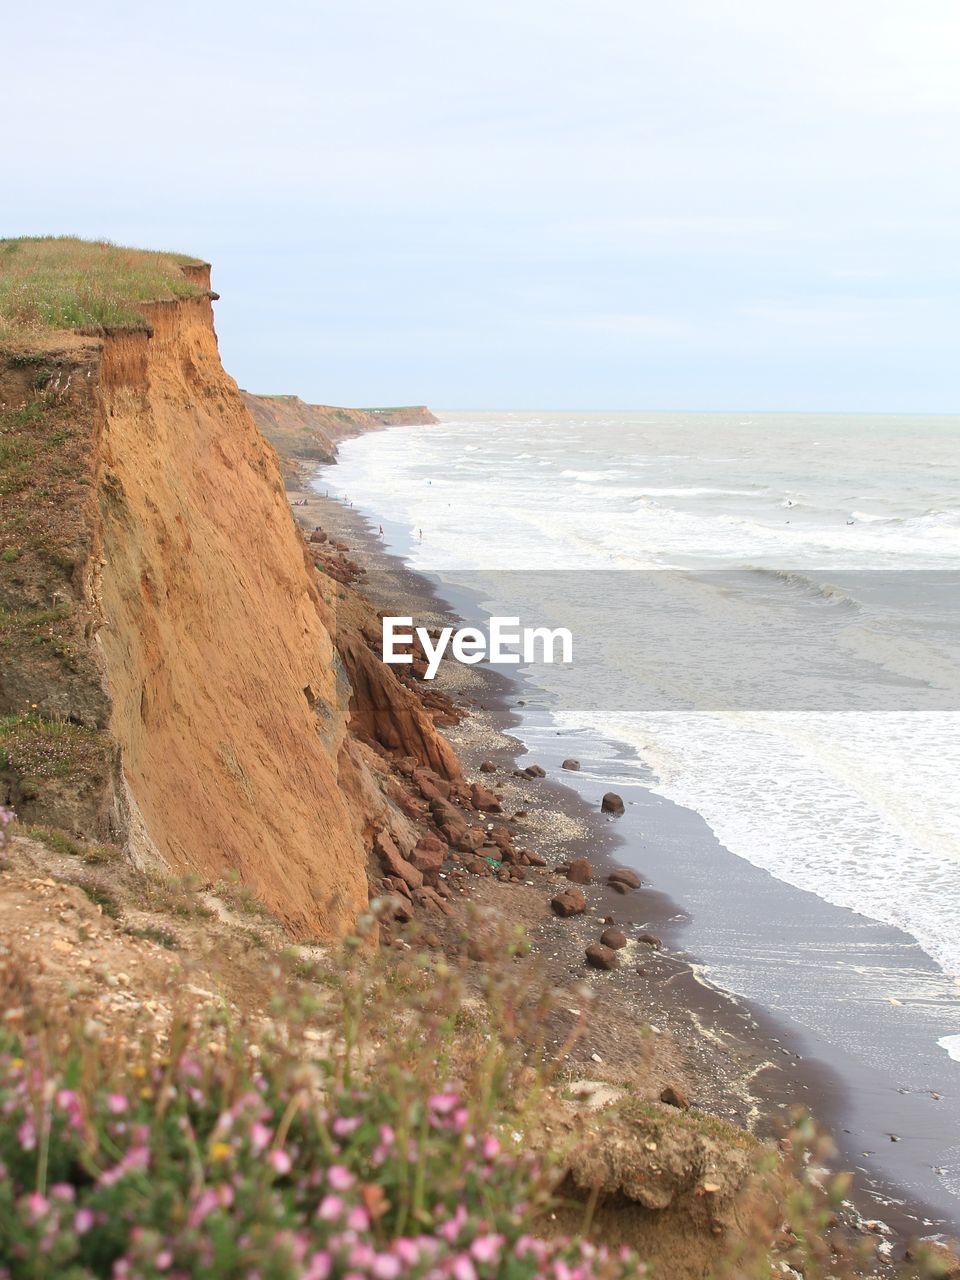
{"x": 828, "y": 750}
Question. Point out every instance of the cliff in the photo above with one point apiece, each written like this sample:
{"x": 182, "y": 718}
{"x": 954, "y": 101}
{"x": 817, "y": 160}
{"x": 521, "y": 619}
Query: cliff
{"x": 169, "y": 679}
{"x": 311, "y": 432}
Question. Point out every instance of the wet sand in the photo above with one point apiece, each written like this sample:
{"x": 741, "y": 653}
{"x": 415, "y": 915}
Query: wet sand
{"x": 793, "y": 1036}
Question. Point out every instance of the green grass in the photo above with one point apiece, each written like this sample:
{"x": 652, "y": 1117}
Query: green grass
{"x": 37, "y": 748}
{"x": 59, "y": 282}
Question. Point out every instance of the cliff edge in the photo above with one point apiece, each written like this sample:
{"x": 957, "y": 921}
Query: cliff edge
{"x": 169, "y": 679}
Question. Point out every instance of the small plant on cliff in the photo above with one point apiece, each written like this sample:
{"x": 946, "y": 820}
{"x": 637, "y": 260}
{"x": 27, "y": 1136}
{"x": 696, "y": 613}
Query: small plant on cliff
{"x": 356, "y": 1140}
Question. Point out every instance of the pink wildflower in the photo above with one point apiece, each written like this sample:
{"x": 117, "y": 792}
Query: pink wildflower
{"x": 82, "y": 1221}
{"x": 339, "y": 1177}
{"x": 486, "y": 1248}
{"x": 280, "y": 1162}
{"x": 490, "y": 1148}
{"x": 331, "y": 1208}
{"x": 345, "y": 1125}
{"x": 358, "y": 1220}
{"x": 385, "y": 1267}
{"x": 463, "y": 1268}
{"x": 260, "y": 1137}
{"x": 37, "y": 1205}
{"x": 116, "y": 1104}
{"x": 443, "y": 1103}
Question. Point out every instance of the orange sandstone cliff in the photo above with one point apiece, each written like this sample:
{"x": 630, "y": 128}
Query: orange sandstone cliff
{"x": 169, "y": 677}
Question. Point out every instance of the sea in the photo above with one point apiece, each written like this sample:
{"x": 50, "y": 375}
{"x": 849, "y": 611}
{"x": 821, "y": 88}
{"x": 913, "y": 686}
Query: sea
{"x": 766, "y": 622}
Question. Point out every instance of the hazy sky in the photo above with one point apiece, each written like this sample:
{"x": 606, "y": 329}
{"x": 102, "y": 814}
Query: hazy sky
{"x": 521, "y": 203}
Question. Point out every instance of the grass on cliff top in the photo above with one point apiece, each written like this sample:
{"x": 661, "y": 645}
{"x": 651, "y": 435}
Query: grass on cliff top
{"x": 59, "y": 282}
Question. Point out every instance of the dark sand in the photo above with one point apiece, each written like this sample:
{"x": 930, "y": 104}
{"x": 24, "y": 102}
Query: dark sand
{"x": 865, "y": 1067}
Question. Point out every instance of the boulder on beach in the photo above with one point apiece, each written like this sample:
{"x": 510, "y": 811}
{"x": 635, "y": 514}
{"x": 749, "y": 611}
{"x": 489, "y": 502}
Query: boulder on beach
{"x": 579, "y": 871}
{"x": 614, "y": 939}
{"x": 650, "y": 940}
{"x": 488, "y": 767}
{"x": 622, "y": 879}
{"x": 601, "y": 957}
{"x": 611, "y": 803}
{"x": 534, "y": 771}
{"x": 484, "y": 800}
{"x": 570, "y": 902}
{"x": 571, "y": 764}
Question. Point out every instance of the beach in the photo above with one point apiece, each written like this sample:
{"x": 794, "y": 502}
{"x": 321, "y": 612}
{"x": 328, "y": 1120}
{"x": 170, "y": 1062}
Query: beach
{"x": 743, "y": 1058}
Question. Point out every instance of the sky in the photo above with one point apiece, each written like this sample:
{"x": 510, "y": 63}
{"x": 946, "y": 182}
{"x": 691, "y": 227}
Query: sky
{"x": 582, "y": 204}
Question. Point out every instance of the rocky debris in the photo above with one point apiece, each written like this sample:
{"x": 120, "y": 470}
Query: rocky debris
{"x": 431, "y": 900}
{"x": 622, "y": 879}
{"x": 570, "y": 902}
{"x": 394, "y": 863}
{"x": 533, "y": 859}
{"x": 571, "y": 764}
{"x": 675, "y": 1097}
{"x": 429, "y": 855}
{"x": 318, "y": 536}
{"x": 449, "y": 819}
{"x": 488, "y": 767}
{"x": 471, "y": 840}
{"x": 936, "y": 1257}
{"x": 601, "y": 957}
{"x": 579, "y": 871}
{"x": 614, "y": 939}
{"x": 611, "y": 803}
{"x": 650, "y": 940}
{"x": 533, "y": 771}
{"x": 484, "y": 800}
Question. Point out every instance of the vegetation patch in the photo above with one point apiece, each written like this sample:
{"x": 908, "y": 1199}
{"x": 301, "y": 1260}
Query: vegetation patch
{"x": 59, "y": 282}
{"x": 37, "y": 748}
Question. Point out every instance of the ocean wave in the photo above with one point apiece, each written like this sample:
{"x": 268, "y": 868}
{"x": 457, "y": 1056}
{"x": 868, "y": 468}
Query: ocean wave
{"x": 808, "y": 586}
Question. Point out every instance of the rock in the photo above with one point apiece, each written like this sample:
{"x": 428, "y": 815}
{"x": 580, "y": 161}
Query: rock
{"x": 449, "y": 819}
{"x": 488, "y": 767}
{"x": 675, "y": 1097}
{"x": 534, "y": 771}
{"x": 429, "y": 858}
{"x": 470, "y": 840}
{"x": 614, "y": 939}
{"x": 650, "y": 940}
{"x": 481, "y": 949}
{"x": 623, "y": 879}
{"x": 611, "y": 803}
{"x": 579, "y": 871}
{"x": 533, "y": 859}
{"x": 318, "y": 536}
{"x": 394, "y": 863}
{"x": 571, "y": 764}
{"x": 601, "y": 957}
{"x": 570, "y": 902}
{"x": 484, "y": 800}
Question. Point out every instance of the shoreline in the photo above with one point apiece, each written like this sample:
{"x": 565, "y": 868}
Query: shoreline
{"x": 737, "y": 1049}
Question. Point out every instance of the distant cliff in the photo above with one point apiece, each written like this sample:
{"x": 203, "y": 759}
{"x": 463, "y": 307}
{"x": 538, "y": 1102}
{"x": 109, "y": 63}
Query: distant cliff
{"x": 311, "y": 432}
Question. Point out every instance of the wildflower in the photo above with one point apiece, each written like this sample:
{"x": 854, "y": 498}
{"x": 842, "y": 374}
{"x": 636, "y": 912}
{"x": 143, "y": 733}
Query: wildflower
{"x": 37, "y": 1206}
{"x": 280, "y": 1162}
{"x": 357, "y": 1219}
{"x": 463, "y": 1269}
{"x": 63, "y": 1191}
{"x": 27, "y": 1136}
{"x": 221, "y": 1151}
{"x": 260, "y": 1137}
{"x": 117, "y": 1104}
{"x": 340, "y": 1178}
{"x": 442, "y": 1104}
{"x": 163, "y": 1260}
{"x": 486, "y": 1248}
{"x": 83, "y": 1221}
{"x": 343, "y": 1126}
{"x": 490, "y": 1148}
{"x": 331, "y": 1208}
{"x": 319, "y": 1266}
{"x": 385, "y": 1267}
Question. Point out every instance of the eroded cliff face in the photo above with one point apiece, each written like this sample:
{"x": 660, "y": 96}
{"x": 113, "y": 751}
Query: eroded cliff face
{"x": 226, "y": 695}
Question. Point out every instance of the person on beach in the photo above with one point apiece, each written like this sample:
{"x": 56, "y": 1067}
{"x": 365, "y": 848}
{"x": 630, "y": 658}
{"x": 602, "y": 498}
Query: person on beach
{"x": 380, "y": 534}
